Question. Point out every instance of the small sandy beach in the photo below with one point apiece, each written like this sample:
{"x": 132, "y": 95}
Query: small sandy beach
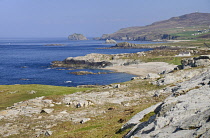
{"x": 142, "y": 69}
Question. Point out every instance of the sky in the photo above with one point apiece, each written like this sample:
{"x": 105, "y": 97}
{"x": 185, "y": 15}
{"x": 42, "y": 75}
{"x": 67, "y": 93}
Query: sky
{"x": 60, "y": 18}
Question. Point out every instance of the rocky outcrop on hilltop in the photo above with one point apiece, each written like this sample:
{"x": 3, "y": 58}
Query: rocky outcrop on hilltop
{"x": 76, "y": 36}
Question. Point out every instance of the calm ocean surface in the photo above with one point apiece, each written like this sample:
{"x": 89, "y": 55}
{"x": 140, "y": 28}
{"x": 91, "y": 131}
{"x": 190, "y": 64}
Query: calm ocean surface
{"x": 27, "y": 61}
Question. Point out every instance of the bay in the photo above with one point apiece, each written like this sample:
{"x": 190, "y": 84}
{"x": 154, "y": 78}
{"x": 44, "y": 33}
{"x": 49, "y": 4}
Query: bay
{"x": 28, "y": 60}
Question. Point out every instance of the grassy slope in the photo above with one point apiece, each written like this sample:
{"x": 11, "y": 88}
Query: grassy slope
{"x": 10, "y": 94}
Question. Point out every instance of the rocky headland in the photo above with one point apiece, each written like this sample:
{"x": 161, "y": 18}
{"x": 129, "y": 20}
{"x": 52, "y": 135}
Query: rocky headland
{"x": 188, "y": 26}
{"x": 95, "y": 60}
{"x": 76, "y": 36}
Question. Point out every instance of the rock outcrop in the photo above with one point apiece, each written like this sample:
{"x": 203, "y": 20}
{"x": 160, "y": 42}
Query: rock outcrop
{"x": 76, "y": 36}
{"x": 126, "y": 45}
{"x": 185, "y": 113}
{"x": 87, "y": 73}
{"x": 203, "y": 60}
{"x": 110, "y": 41}
{"x": 95, "y": 60}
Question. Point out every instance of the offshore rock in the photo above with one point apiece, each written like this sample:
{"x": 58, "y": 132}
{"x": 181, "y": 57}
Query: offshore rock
{"x": 76, "y": 36}
{"x": 110, "y": 41}
{"x": 126, "y": 44}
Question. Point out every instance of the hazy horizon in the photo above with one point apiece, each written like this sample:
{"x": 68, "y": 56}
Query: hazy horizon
{"x": 52, "y": 18}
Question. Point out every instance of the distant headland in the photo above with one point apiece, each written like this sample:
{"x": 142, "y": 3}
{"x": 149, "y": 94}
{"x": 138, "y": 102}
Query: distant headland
{"x": 185, "y": 27}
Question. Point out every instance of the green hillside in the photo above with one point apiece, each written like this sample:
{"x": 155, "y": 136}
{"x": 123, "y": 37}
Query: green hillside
{"x": 189, "y": 26}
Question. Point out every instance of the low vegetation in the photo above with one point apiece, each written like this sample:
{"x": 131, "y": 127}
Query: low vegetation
{"x": 104, "y": 125}
{"x": 10, "y": 94}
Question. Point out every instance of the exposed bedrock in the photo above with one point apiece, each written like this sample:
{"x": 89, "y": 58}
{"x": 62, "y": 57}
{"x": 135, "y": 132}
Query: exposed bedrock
{"x": 184, "y": 114}
{"x": 95, "y": 60}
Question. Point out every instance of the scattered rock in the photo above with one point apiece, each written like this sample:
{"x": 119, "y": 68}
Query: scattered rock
{"x": 136, "y": 78}
{"x": 46, "y": 110}
{"x": 48, "y": 133}
{"x": 51, "y": 105}
{"x": 31, "y": 92}
{"x": 84, "y": 120}
{"x": 64, "y": 112}
{"x": 117, "y": 86}
{"x": 111, "y": 108}
{"x": 121, "y": 120}
{"x": 152, "y": 76}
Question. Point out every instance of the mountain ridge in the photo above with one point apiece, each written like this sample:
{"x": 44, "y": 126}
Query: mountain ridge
{"x": 187, "y": 25}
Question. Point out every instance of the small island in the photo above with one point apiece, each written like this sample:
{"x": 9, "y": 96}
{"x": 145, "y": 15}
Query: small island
{"x": 76, "y": 36}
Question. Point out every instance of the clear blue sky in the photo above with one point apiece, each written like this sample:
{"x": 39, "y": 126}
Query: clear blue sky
{"x": 59, "y": 18}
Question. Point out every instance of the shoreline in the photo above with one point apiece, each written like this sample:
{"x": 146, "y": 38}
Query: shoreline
{"x": 143, "y": 69}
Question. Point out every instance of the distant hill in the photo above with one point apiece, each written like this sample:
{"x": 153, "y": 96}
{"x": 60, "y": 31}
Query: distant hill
{"x": 189, "y": 26}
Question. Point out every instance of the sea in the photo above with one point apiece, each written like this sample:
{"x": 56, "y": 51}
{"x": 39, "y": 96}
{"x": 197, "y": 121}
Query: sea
{"x": 28, "y": 61}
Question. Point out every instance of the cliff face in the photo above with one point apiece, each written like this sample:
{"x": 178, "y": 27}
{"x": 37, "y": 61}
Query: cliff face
{"x": 187, "y": 26}
{"x": 77, "y": 37}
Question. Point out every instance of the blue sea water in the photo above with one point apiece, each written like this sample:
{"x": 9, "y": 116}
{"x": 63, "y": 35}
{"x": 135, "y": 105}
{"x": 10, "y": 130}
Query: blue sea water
{"x": 27, "y": 61}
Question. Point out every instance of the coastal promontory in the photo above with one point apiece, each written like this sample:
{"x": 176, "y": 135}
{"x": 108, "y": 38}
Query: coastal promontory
{"x": 188, "y": 26}
{"x": 76, "y": 36}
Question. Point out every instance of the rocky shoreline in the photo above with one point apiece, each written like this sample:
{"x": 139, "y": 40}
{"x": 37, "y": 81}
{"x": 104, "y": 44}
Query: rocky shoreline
{"x": 87, "y": 73}
{"x": 180, "y": 96}
{"x": 95, "y": 60}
